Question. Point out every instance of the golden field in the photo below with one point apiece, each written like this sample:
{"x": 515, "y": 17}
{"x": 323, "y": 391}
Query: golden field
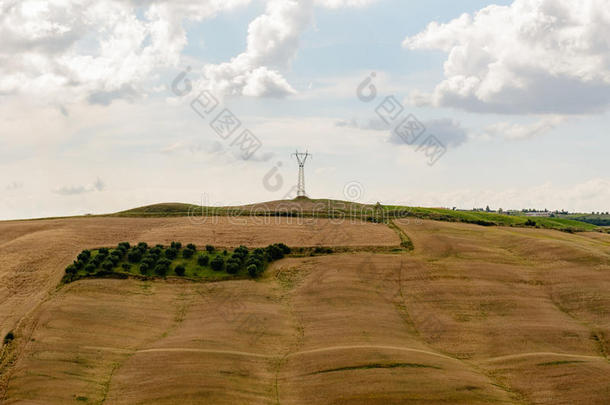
{"x": 472, "y": 315}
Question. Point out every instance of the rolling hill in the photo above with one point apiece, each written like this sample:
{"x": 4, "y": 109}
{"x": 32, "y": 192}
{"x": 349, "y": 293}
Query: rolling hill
{"x": 482, "y": 309}
{"x": 324, "y": 208}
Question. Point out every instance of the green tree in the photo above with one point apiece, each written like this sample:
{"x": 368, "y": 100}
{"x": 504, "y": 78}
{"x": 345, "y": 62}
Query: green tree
{"x": 156, "y": 252}
{"x": 71, "y": 270}
{"x": 171, "y": 253}
{"x": 149, "y": 261}
{"x": 274, "y": 252}
{"x": 180, "y": 270}
{"x": 98, "y": 259}
{"x": 233, "y": 265}
{"x": 160, "y": 270}
{"x": 165, "y": 262}
{"x": 134, "y": 255}
{"x": 188, "y": 253}
{"x": 254, "y": 260}
{"x": 284, "y": 248}
{"x": 203, "y": 260}
{"x": 253, "y": 270}
{"x": 217, "y": 263}
{"x": 84, "y": 256}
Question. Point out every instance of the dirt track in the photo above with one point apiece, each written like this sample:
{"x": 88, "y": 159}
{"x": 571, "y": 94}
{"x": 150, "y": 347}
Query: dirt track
{"x": 473, "y": 315}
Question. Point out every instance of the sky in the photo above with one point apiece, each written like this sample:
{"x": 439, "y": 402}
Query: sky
{"x": 110, "y": 105}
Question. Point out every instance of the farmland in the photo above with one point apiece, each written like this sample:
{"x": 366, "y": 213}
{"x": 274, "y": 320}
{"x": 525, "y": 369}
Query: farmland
{"x": 469, "y": 314}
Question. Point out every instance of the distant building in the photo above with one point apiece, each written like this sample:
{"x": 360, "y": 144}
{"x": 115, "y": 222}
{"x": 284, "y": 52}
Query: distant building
{"x": 537, "y": 214}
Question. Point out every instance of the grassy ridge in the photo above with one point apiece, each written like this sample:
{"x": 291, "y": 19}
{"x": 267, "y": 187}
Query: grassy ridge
{"x": 491, "y": 218}
{"x": 169, "y": 210}
{"x": 324, "y": 208}
{"x": 595, "y": 219}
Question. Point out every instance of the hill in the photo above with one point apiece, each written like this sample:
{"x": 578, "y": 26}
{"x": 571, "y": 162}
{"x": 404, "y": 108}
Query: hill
{"x": 325, "y": 208}
{"x": 472, "y": 315}
{"x": 595, "y": 219}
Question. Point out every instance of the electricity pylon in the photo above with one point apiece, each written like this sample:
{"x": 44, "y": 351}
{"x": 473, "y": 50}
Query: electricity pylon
{"x": 301, "y": 158}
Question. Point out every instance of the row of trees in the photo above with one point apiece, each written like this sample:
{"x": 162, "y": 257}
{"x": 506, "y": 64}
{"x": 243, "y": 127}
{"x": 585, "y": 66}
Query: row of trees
{"x": 105, "y": 259}
{"x": 158, "y": 259}
{"x": 253, "y": 262}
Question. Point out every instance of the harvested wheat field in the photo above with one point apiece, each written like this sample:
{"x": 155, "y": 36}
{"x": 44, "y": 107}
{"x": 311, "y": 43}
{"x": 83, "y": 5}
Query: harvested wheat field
{"x": 472, "y": 315}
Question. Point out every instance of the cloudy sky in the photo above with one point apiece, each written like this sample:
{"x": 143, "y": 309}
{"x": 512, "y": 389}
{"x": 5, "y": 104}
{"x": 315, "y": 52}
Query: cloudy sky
{"x": 108, "y": 105}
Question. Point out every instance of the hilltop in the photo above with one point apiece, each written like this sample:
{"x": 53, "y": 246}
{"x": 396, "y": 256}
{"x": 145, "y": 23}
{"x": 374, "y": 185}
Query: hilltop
{"x": 338, "y": 209}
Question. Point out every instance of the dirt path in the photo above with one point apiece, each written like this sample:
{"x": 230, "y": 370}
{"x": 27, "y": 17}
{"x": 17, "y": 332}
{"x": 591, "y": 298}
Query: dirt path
{"x": 534, "y": 354}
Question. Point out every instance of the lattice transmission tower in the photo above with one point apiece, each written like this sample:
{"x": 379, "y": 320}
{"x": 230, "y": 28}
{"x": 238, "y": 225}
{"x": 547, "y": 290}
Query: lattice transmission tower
{"x": 301, "y": 158}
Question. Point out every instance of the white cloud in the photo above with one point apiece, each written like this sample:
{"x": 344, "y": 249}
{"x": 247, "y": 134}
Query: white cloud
{"x": 67, "y": 51}
{"x": 84, "y": 50}
{"x": 272, "y": 43}
{"x": 518, "y": 131}
{"x": 344, "y": 3}
{"x": 534, "y": 56}
{"x": 97, "y": 185}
